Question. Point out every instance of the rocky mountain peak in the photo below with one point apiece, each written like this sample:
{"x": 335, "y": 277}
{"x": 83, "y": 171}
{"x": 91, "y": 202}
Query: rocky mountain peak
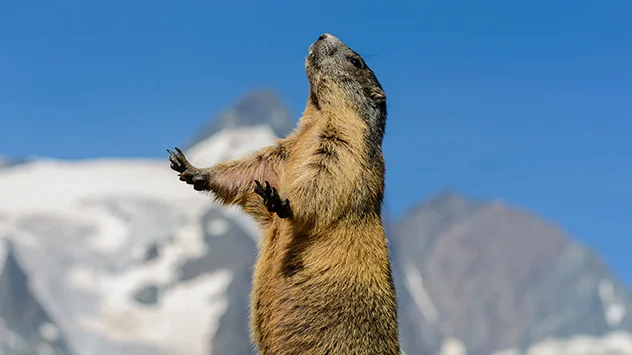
{"x": 261, "y": 107}
{"x": 491, "y": 275}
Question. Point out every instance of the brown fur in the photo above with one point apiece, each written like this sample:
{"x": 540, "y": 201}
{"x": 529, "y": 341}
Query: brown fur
{"x": 322, "y": 280}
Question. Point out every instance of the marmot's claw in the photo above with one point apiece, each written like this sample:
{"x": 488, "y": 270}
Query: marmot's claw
{"x": 178, "y": 161}
{"x": 188, "y": 173}
{"x": 272, "y": 200}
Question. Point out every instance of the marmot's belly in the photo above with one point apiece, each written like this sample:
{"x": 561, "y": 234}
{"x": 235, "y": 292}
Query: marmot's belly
{"x": 299, "y": 316}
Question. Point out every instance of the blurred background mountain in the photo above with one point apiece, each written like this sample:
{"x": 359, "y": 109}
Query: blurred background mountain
{"x": 115, "y": 256}
{"x": 508, "y": 153}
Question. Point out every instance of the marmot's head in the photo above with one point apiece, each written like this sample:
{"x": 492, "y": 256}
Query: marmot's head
{"x": 338, "y": 75}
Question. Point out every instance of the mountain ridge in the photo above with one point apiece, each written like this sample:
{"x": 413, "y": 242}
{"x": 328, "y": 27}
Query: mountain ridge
{"x": 471, "y": 278}
{"x": 255, "y": 107}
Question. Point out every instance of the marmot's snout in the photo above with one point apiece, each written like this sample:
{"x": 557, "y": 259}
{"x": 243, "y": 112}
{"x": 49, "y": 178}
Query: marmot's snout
{"x": 332, "y": 63}
{"x": 326, "y": 44}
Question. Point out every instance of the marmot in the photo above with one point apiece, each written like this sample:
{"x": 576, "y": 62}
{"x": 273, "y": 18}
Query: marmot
{"x": 322, "y": 282}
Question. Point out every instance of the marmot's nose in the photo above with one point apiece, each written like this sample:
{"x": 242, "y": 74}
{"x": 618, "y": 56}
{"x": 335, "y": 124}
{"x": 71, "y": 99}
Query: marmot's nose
{"x": 324, "y": 35}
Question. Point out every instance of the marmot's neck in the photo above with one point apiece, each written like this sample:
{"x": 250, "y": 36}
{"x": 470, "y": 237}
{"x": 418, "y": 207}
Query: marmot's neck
{"x": 348, "y": 116}
{"x": 358, "y": 133}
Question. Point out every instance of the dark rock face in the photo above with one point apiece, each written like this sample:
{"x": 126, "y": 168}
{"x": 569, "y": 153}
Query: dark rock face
{"x": 147, "y": 295}
{"x": 500, "y": 278}
{"x": 25, "y": 326}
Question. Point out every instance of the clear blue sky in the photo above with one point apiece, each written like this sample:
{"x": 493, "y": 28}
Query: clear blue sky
{"x": 528, "y": 101}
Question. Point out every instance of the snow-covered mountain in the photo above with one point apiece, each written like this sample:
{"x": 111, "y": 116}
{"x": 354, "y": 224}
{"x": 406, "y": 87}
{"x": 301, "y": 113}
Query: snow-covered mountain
{"x": 119, "y": 257}
{"x": 116, "y": 256}
{"x": 253, "y": 110}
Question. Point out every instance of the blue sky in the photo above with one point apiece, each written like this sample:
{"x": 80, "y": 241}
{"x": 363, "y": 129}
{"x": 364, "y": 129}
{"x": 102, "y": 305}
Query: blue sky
{"x": 529, "y": 102}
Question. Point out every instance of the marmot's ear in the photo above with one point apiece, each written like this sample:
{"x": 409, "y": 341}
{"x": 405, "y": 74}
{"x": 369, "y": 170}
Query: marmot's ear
{"x": 378, "y": 95}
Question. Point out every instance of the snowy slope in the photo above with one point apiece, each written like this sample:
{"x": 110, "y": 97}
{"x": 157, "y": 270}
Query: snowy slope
{"x": 82, "y": 231}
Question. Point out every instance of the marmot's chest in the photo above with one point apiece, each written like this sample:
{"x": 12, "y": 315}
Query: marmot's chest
{"x": 332, "y": 163}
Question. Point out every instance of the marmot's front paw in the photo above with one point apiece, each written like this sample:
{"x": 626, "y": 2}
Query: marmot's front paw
{"x": 272, "y": 200}
{"x": 188, "y": 173}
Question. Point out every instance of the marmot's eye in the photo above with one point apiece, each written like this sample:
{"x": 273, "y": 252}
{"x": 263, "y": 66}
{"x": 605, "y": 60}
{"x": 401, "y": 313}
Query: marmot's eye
{"x": 356, "y": 62}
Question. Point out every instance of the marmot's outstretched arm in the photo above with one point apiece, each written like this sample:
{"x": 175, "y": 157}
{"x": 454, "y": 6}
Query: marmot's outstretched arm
{"x": 239, "y": 181}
